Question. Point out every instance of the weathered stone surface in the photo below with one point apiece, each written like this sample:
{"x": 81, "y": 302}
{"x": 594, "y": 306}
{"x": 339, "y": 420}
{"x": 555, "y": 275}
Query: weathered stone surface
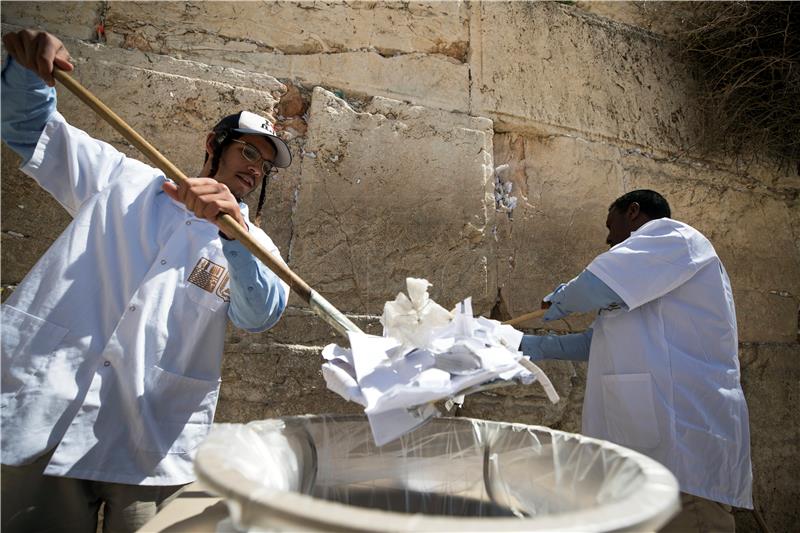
{"x": 751, "y": 229}
{"x": 576, "y": 73}
{"x": 78, "y": 20}
{"x": 390, "y": 28}
{"x": 771, "y": 174}
{"x": 301, "y": 326}
{"x": 261, "y": 379}
{"x": 665, "y": 18}
{"x": 409, "y": 51}
{"x": 32, "y": 220}
{"x": 528, "y": 404}
{"x": 564, "y": 188}
{"x": 292, "y": 104}
{"x": 399, "y": 191}
{"x": 771, "y": 382}
{"x": 280, "y": 201}
{"x": 434, "y": 81}
{"x": 224, "y": 74}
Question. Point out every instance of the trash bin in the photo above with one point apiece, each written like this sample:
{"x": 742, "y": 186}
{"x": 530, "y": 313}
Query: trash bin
{"x": 324, "y": 473}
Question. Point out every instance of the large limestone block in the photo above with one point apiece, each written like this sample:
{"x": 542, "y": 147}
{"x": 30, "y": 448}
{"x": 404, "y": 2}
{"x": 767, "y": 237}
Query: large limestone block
{"x": 261, "y": 379}
{"x": 771, "y": 382}
{"x": 106, "y": 54}
{"x": 429, "y": 80}
{"x": 392, "y": 192}
{"x": 544, "y": 66}
{"x": 78, "y": 20}
{"x": 408, "y": 51}
{"x": 563, "y": 188}
{"x": 390, "y": 28}
{"x": 751, "y": 228}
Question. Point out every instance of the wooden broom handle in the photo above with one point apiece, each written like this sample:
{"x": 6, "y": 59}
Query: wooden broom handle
{"x": 527, "y": 316}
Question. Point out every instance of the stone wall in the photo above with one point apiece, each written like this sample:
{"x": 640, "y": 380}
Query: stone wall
{"x": 397, "y": 114}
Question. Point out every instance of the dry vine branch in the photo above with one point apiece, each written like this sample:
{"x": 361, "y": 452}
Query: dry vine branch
{"x": 747, "y": 59}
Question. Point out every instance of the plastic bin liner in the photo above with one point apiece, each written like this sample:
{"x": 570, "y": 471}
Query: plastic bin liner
{"x": 324, "y": 473}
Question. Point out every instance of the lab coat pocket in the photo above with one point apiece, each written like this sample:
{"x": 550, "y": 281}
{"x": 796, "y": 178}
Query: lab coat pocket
{"x": 630, "y": 411}
{"x": 177, "y": 411}
{"x": 27, "y": 345}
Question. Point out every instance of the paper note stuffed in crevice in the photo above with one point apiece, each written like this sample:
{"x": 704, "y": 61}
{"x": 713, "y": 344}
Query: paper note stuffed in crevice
{"x": 426, "y": 354}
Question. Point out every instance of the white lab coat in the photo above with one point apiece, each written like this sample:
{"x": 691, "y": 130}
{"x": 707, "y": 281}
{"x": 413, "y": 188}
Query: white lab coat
{"x": 663, "y": 375}
{"x": 112, "y": 344}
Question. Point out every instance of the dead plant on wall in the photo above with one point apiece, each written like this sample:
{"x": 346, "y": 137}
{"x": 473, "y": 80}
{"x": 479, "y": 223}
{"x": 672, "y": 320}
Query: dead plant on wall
{"x": 747, "y": 57}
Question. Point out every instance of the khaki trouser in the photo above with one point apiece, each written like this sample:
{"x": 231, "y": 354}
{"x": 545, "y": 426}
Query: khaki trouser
{"x": 701, "y": 516}
{"x": 32, "y": 501}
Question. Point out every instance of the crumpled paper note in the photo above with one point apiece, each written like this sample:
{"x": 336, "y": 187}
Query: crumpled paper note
{"x": 426, "y": 354}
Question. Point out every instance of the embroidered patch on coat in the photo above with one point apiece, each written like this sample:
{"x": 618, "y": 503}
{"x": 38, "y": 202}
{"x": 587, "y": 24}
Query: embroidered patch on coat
{"x": 207, "y": 275}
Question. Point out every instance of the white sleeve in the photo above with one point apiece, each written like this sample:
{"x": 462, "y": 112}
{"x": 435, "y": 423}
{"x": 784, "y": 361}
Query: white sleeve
{"x": 654, "y": 262}
{"x": 71, "y": 165}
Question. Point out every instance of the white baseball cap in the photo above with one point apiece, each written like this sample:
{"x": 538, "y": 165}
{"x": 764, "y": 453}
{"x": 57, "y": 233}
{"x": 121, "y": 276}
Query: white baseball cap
{"x": 247, "y": 122}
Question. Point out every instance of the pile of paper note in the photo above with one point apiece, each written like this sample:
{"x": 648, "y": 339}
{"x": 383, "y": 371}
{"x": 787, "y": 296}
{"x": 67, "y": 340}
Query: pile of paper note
{"x": 426, "y": 354}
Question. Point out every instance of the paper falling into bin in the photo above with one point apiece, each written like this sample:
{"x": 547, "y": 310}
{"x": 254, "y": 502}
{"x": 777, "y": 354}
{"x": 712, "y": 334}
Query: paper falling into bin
{"x": 426, "y": 354}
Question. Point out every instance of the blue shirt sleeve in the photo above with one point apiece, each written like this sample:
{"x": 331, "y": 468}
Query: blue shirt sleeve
{"x": 573, "y": 347}
{"x": 584, "y": 293}
{"x": 257, "y": 295}
{"x": 27, "y": 105}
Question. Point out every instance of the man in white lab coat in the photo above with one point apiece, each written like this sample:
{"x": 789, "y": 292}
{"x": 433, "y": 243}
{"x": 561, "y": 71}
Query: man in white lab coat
{"x": 663, "y": 376}
{"x": 112, "y": 344}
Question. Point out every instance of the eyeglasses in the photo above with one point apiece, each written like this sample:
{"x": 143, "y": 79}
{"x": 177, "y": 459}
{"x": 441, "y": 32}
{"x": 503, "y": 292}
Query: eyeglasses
{"x": 251, "y": 154}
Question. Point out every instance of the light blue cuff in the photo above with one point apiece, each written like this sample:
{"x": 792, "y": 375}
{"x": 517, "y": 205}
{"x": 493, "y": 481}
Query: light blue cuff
{"x": 27, "y": 105}
{"x": 584, "y": 293}
{"x": 257, "y": 295}
{"x": 572, "y": 347}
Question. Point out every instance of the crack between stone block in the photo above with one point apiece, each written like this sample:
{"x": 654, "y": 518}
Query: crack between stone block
{"x": 99, "y": 29}
{"x": 500, "y": 309}
{"x": 386, "y": 53}
{"x": 293, "y": 211}
{"x": 340, "y": 225}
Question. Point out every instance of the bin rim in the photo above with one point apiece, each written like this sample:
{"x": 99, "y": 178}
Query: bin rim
{"x": 311, "y": 513}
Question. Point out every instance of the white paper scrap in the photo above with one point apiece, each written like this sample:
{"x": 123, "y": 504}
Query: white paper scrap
{"x": 426, "y": 354}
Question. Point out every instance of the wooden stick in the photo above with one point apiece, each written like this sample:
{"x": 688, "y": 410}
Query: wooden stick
{"x": 321, "y": 306}
{"x": 539, "y": 313}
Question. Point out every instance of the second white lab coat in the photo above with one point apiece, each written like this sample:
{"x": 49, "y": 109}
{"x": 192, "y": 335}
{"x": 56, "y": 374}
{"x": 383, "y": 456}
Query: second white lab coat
{"x": 663, "y": 375}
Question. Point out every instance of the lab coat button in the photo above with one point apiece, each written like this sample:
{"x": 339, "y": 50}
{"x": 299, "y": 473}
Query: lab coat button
{"x": 132, "y": 308}
{"x": 188, "y": 222}
{"x": 107, "y": 363}
{"x": 163, "y": 261}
